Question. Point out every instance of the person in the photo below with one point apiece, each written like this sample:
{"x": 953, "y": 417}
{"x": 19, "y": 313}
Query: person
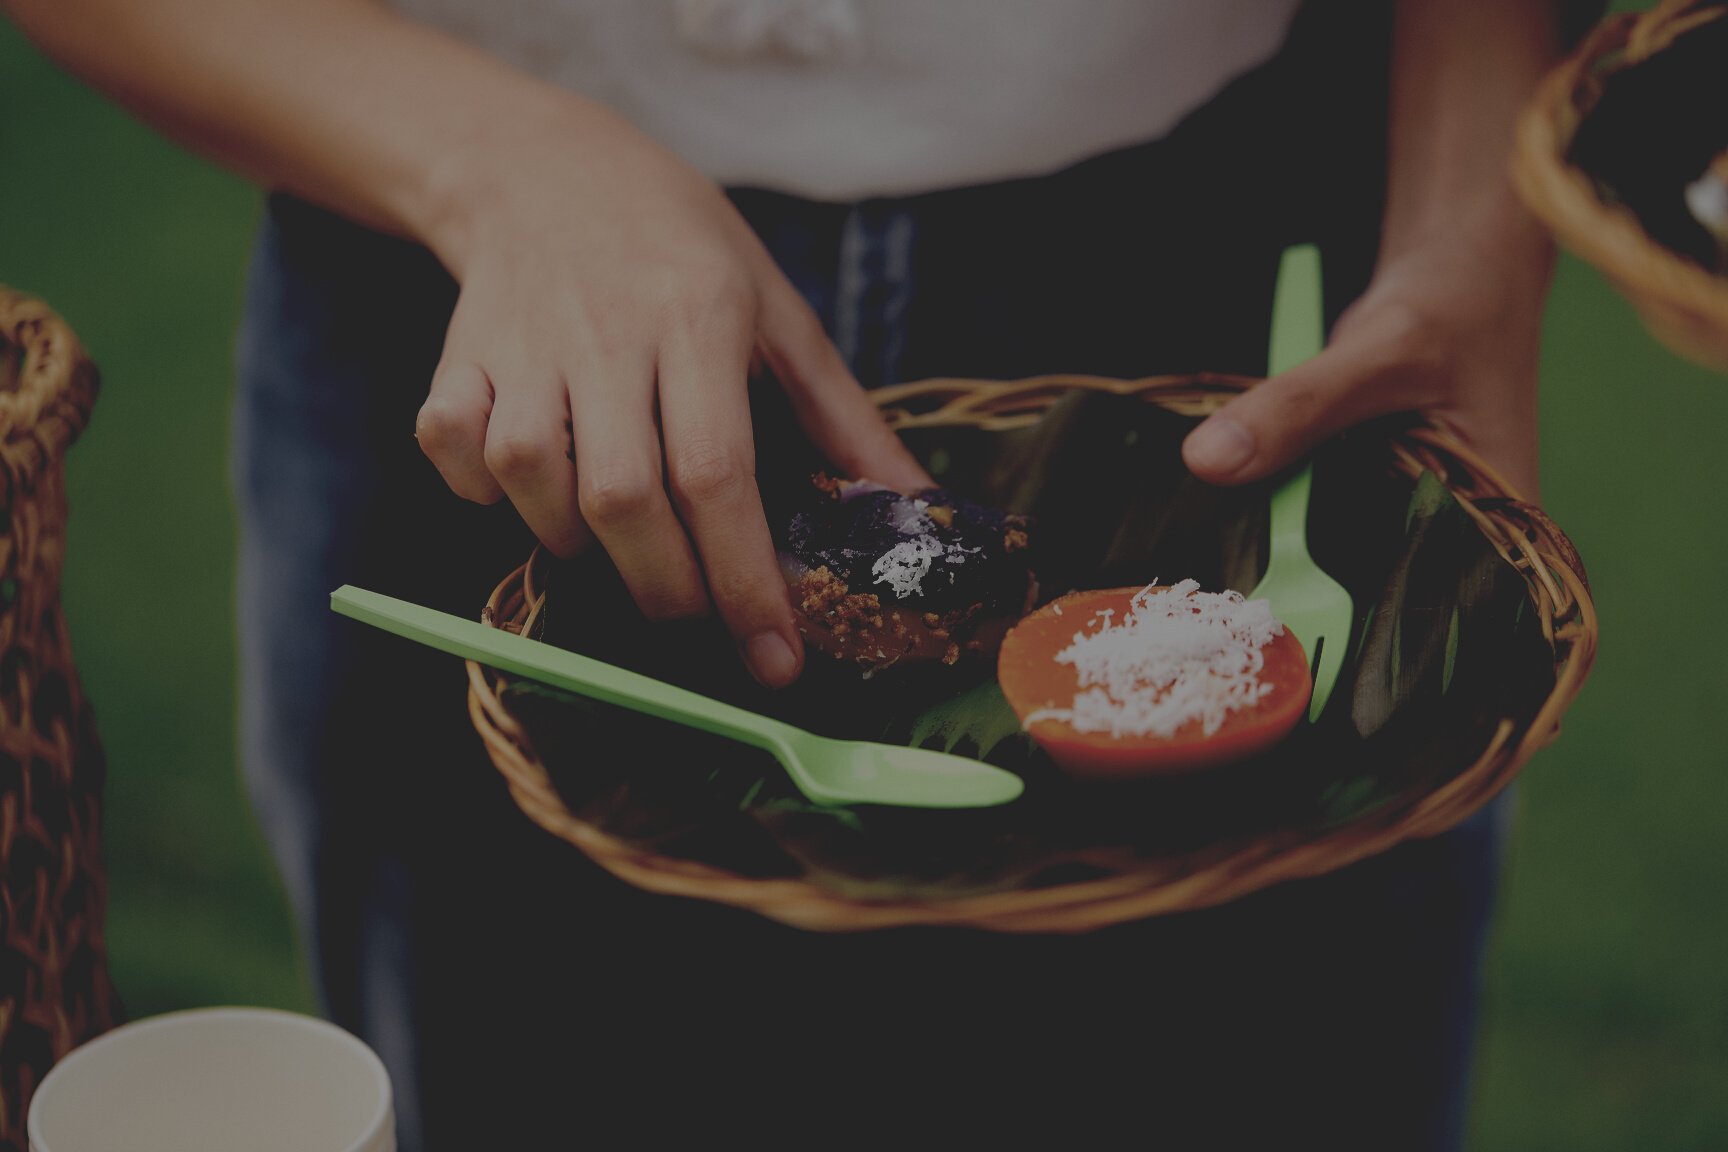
{"x": 517, "y": 264}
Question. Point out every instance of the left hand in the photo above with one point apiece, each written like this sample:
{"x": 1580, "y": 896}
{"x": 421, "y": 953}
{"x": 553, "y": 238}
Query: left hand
{"x": 1450, "y": 327}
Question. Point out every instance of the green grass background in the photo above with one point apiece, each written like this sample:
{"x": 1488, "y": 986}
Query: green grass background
{"x": 1607, "y": 1002}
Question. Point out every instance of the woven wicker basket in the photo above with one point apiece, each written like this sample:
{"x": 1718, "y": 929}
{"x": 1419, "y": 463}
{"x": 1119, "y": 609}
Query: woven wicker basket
{"x": 1684, "y": 304}
{"x": 55, "y": 993}
{"x": 1117, "y": 889}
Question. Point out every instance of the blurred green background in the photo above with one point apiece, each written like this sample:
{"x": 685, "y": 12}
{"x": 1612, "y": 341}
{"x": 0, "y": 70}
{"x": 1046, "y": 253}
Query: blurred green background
{"x": 1607, "y": 1008}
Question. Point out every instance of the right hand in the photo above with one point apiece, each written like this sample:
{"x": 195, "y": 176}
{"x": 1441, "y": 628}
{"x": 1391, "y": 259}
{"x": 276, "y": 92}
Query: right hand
{"x": 594, "y": 372}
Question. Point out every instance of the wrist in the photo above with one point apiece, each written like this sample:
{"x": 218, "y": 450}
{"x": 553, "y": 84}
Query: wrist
{"x": 501, "y": 153}
{"x": 1492, "y": 225}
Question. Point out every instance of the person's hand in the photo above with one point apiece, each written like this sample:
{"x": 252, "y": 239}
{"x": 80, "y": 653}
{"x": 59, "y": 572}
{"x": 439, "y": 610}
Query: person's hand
{"x": 594, "y": 373}
{"x": 1449, "y": 327}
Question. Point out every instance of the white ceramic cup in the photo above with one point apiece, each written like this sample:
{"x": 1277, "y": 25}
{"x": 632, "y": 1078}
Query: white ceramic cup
{"x": 216, "y": 1080}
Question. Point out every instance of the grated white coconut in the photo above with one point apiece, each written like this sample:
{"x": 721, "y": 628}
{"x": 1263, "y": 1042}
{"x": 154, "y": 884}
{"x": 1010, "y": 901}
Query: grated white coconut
{"x": 1179, "y": 655}
{"x": 904, "y": 566}
{"x": 912, "y": 517}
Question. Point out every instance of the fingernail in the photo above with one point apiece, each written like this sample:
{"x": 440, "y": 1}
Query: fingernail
{"x": 1220, "y": 446}
{"x": 771, "y": 659}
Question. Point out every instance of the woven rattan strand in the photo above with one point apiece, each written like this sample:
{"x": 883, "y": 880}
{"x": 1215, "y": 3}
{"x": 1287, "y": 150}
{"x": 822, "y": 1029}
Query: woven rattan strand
{"x": 1683, "y": 304}
{"x": 1520, "y": 532}
{"x": 55, "y": 992}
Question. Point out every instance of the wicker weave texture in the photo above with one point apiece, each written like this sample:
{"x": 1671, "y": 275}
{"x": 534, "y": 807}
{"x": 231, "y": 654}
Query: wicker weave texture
{"x": 1522, "y": 535}
{"x": 54, "y": 986}
{"x": 1684, "y": 305}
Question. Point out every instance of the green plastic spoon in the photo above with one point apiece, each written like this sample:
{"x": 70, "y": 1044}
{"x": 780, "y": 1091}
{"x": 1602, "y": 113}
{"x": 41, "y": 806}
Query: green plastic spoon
{"x": 827, "y": 771}
{"x": 1311, "y": 604}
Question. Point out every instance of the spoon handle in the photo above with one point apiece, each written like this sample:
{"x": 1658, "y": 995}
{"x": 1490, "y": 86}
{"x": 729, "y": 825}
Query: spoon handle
{"x": 509, "y": 652}
{"x": 1298, "y": 334}
{"x": 1289, "y": 515}
{"x": 1298, "y": 315}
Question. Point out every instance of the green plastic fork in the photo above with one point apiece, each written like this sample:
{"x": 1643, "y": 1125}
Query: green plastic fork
{"x": 1311, "y": 604}
{"x": 827, "y": 771}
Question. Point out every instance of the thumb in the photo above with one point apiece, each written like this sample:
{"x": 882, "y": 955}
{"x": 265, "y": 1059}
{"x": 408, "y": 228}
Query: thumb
{"x": 1280, "y": 420}
{"x": 831, "y": 405}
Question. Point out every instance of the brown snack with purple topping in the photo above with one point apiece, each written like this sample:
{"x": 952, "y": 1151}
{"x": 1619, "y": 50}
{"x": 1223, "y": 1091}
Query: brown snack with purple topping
{"x": 880, "y": 577}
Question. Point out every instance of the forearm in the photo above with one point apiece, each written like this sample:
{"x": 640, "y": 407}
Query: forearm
{"x": 1450, "y": 325}
{"x": 596, "y": 365}
{"x": 1462, "y": 71}
{"x": 341, "y": 101}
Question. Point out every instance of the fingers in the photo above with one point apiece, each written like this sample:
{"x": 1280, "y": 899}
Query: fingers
{"x": 620, "y": 489}
{"x": 511, "y": 439}
{"x": 527, "y": 451}
{"x": 1279, "y": 421}
{"x": 654, "y": 458}
{"x": 832, "y": 407}
{"x": 518, "y": 439}
{"x": 451, "y": 428}
{"x": 711, "y": 470}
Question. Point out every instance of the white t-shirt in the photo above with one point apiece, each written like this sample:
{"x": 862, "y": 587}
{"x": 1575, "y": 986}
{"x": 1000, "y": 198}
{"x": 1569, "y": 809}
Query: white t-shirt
{"x": 841, "y": 99}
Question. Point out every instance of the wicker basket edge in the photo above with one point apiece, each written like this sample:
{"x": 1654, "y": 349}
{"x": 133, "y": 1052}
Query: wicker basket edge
{"x": 1683, "y": 304}
{"x": 1519, "y": 531}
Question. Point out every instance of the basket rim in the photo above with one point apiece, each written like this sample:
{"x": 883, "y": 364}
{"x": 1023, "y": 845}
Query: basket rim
{"x": 1676, "y": 296}
{"x": 48, "y": 384}
{"x": 1520, "y": 532}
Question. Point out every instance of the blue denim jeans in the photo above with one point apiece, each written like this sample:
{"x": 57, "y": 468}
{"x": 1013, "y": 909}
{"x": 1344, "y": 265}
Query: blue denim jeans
{"x": 522, "y": 997}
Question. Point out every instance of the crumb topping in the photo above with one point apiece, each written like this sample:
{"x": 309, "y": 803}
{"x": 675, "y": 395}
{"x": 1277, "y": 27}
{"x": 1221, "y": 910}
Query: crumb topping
{"x": 961, "y": 569}
{"x": 825, "y": 597}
